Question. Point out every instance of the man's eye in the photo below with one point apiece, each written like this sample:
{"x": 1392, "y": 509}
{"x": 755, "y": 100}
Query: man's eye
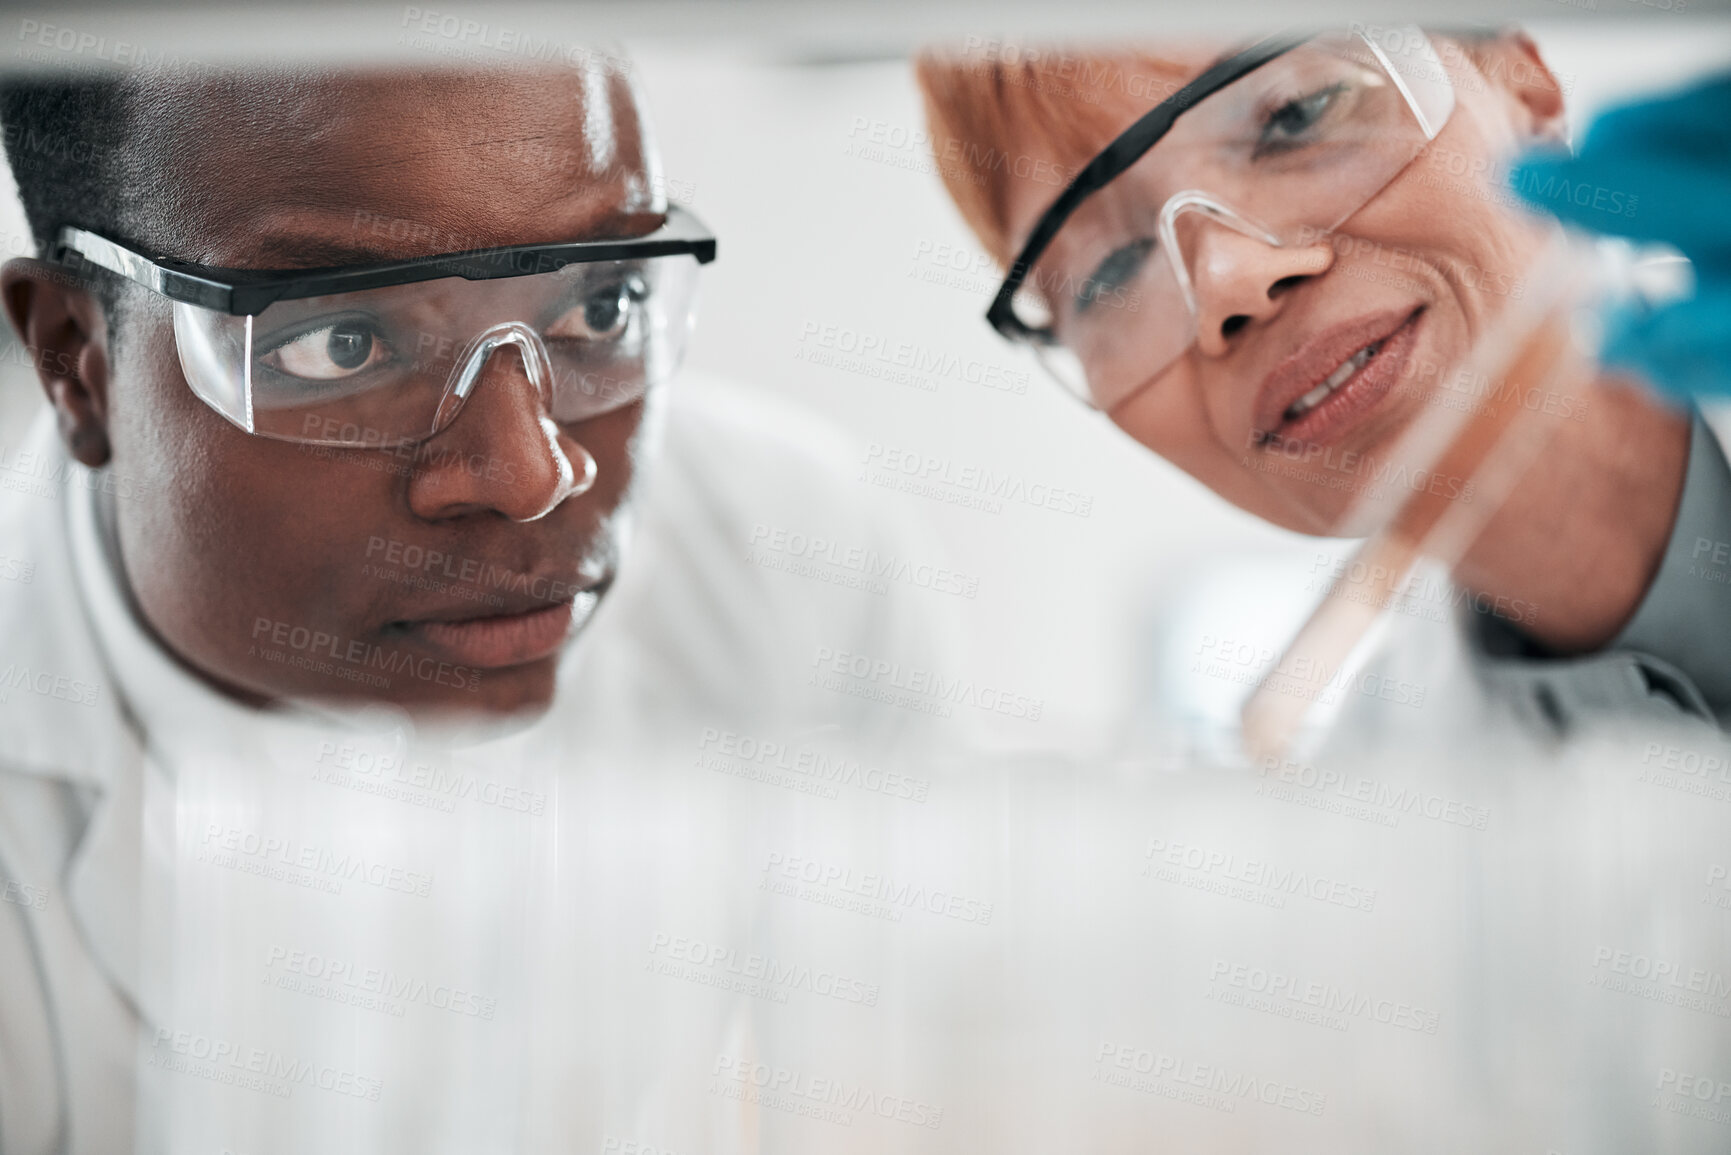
{"x": 604, "y": 314}
{"x": 1120, "y": 267}
{"x": 1293, "y": 122}
{"x": 329, "y": 353}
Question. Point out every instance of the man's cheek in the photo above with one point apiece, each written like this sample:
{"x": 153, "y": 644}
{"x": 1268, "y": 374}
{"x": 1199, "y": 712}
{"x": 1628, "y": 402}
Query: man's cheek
{"x": 623, "y": 443}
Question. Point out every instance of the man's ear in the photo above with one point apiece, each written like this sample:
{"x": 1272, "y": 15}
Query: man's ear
{"x": 65, "y": 335}
{"x": 1512, "y": 64}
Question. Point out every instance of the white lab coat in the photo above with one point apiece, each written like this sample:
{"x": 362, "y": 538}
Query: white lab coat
{"x": 93, "y": 717}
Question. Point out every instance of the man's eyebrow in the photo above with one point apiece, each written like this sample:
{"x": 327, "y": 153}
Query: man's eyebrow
{"x": 320, "y": 252}
{"x": 290, "y": 248}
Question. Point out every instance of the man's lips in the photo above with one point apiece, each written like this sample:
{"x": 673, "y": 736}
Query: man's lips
{"x": 1322, "y": 389}
{"x": 502, "y": 640}
{"x": 525, "y": 632}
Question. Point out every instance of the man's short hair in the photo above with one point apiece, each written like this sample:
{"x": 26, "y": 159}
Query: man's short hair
{"x": 64, "y": 139}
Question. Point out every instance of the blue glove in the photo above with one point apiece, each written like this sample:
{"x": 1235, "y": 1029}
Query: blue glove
{"x": 1657, "y": 171}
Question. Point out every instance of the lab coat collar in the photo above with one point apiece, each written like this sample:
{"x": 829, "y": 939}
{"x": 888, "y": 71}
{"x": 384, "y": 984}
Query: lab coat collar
{"x": 60, "y": 709}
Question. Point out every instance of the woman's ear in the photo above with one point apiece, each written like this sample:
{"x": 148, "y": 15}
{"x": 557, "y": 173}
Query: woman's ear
{"x": 65, "y": 336}
{"x": 1511, "y": 64}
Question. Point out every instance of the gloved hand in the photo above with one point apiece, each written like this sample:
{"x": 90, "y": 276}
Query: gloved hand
{"x": 1659, "y": 170}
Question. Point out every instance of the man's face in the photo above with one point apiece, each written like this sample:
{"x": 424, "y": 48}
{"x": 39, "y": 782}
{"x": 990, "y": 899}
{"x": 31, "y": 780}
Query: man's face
{"x": 423, "y": 578}
{"x": 1413, "y": 277}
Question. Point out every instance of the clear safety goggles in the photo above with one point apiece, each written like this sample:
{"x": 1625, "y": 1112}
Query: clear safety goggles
{"x": 384, "y": 356}
{"x": 1281, "y": 142}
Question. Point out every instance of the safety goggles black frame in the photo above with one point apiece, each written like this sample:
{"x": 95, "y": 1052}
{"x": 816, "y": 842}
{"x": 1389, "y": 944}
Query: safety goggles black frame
{"x": 1129, "y": 147}
{"x": 243, "y": 292}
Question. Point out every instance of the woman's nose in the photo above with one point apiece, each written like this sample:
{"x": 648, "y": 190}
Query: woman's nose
{"x": 1239, "y": 280}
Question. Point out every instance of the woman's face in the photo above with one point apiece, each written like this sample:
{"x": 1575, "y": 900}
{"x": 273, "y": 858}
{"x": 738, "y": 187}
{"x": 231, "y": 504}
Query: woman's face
{"x": 1264, "y": 407}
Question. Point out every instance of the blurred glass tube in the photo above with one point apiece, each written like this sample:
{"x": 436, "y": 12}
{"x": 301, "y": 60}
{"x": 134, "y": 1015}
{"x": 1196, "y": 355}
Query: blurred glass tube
{"x": 693, "y": 948}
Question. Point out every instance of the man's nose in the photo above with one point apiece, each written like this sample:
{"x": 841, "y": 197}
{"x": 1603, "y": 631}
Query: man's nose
{"x": 1239, "y": 280}
{"x": 502, "y": 453}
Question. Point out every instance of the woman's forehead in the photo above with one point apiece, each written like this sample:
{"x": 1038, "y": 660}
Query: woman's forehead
{"x": 1114, "y": 88}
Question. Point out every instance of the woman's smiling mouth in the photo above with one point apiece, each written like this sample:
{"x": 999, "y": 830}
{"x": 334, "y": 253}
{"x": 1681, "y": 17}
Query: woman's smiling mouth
{"x": 1336, "y": 379}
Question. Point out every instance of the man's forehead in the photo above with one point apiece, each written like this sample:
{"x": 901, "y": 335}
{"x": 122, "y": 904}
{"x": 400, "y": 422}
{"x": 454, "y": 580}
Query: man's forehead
{"x": 344, "y": 168}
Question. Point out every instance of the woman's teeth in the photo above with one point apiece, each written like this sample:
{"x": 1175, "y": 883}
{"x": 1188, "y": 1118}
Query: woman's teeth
{"x": 1332, "y": 382}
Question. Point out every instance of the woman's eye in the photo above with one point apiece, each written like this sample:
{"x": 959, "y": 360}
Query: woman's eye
{"x": 1294, "y": 121}
{"x": 603, "y": 315}
{"x": 329, "y": 353}
{"x": 1118, "y": 269}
